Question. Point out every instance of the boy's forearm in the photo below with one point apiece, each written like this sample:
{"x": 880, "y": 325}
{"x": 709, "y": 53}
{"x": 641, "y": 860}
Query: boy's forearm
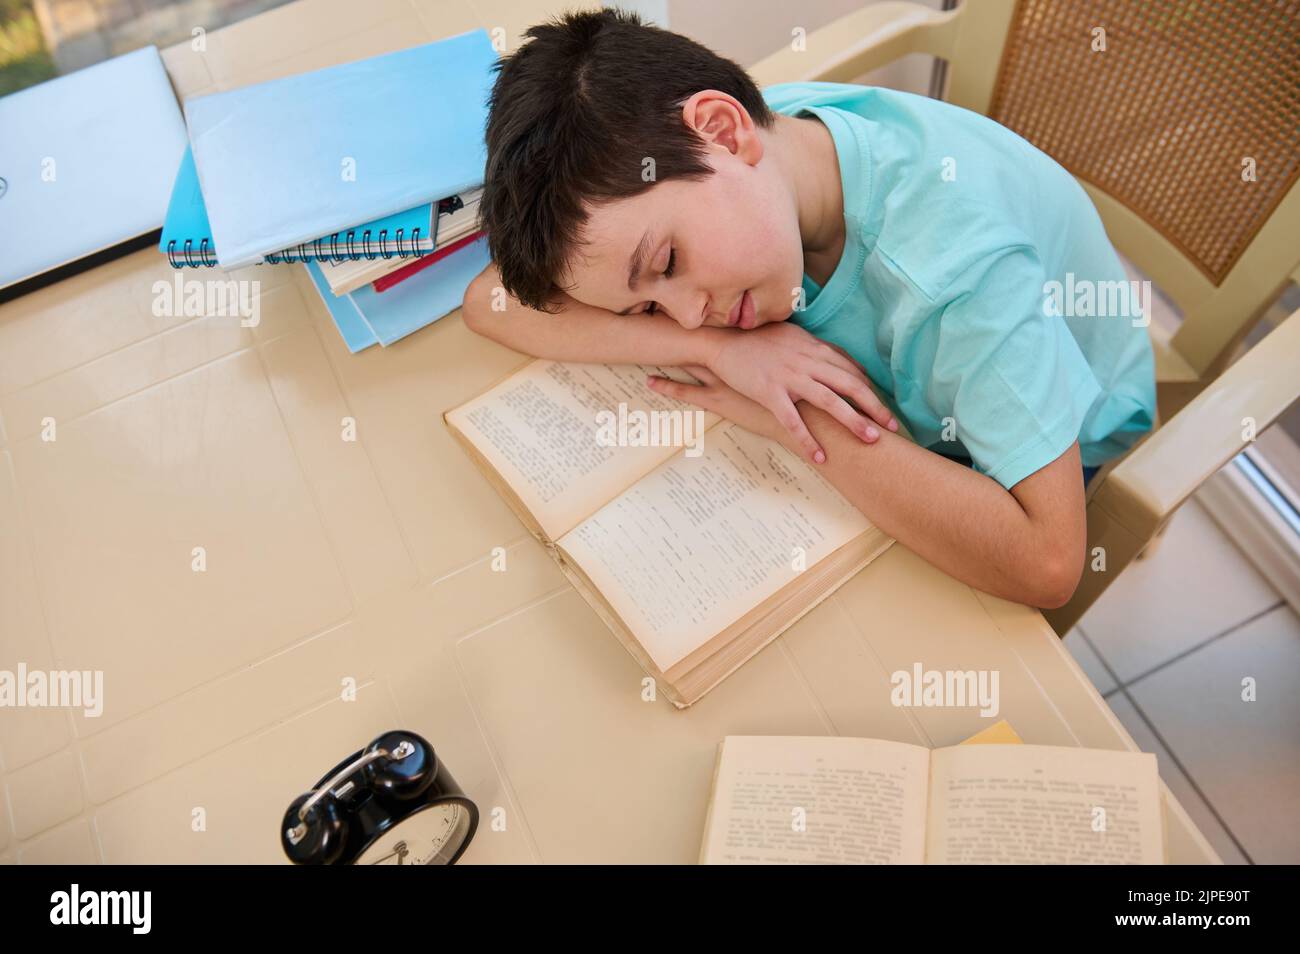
{"x": 961, "y": 521}
{"x": 583, "y": 333}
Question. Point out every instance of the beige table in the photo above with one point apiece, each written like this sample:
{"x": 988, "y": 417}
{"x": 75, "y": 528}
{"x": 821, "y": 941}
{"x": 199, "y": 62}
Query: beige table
{"x": 370, "y": 561}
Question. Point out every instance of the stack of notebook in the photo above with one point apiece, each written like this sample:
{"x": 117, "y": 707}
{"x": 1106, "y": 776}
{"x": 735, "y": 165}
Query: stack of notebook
{"x": 368, "y": 174}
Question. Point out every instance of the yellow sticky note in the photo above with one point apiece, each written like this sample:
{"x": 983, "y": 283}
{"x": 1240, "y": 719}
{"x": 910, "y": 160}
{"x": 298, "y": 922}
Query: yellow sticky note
{"x": 1000, "y": 733}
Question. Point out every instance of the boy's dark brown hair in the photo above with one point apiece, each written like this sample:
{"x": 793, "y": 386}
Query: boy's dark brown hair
{"x": 573, "y": 115}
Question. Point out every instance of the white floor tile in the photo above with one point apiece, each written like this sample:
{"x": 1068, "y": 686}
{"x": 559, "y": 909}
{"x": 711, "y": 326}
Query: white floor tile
{"x": 1195, "y": 586}
{"x": 1244, "y": 755}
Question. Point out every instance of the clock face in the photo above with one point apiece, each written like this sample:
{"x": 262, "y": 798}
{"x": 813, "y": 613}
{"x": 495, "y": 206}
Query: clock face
{"x": 430, "y": 836}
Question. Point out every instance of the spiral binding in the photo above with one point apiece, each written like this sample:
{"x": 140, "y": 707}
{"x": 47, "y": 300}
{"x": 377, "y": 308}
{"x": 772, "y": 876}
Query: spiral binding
{"x": 368, "y": 250}
{"x": 206, "y": 255}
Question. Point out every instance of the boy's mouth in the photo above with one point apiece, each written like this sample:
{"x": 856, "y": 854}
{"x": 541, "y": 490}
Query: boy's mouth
{"x": 743, "y": 313}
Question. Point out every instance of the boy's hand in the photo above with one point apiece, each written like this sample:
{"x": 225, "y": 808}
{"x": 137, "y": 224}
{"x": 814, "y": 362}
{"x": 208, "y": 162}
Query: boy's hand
{"x": 715, "y": 395}
{"x": 779, "y": 364}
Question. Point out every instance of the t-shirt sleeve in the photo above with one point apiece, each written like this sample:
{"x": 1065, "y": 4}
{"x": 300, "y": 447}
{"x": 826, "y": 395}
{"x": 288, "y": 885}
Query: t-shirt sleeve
{"x": 1011, "y": 375}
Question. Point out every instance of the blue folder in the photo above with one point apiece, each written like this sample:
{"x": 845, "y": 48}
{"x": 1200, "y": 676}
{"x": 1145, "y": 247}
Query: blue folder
{"x": 289, "y": 160}
{"x": 86, "y": 163}
{"x": 352, "y": 327}
{"x": 187, "y": 236}
{"x": 366, "y": 316}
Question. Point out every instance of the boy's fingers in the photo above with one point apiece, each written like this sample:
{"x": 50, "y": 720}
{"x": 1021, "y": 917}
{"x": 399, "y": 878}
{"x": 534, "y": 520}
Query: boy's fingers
{"x": 838, "y": 408}
{"x": 703, "y": 373}
{"x": 858, "y": 386}
{"x": 868, "y": 403}
{"x": 784, "y": 411}
{"x": 837, "y": 359}
{"x": 842, "y": 359}
{"x": 788, "y": 417}
{"x": 675, "y": 389}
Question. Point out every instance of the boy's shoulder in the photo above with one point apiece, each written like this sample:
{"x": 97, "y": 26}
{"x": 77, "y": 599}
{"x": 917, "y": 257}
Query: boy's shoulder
{"x": 909, "y": 123}
{"x": 947, "y": 190}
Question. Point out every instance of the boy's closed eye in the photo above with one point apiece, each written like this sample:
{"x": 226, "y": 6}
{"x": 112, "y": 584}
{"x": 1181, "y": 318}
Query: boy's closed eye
{"x": 653, "y": 307}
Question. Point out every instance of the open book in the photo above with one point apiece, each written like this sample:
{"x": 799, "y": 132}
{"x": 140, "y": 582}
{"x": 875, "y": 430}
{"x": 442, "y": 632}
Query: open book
{"x": 834, "y": 800}
{"x": 697, "y": 545}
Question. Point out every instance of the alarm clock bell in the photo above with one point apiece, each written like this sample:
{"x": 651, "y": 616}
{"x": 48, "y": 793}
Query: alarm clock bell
{"x": 393, "y": 802}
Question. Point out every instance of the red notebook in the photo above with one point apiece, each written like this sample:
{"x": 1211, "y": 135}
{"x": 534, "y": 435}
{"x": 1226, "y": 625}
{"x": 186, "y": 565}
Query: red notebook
{"x": 406, "y": 271}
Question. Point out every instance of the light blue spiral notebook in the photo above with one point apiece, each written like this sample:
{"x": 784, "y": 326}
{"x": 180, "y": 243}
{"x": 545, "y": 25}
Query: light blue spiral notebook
{"x": 366, "y": 316}
{"x": 86, "y": 165}
{"x": 187, "y": 235}
{"x": 286, "y": 161}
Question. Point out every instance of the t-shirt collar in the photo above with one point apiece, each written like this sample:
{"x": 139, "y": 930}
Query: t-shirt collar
{"x": 860, "y": 217}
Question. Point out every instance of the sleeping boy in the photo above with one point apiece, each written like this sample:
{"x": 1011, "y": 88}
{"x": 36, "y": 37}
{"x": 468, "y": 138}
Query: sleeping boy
{"x": 825, "y": 259}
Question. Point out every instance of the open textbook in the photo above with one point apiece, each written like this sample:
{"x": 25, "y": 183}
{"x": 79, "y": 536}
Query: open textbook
{"x": 835, "y": 800}
{"x": 696, "y": 552}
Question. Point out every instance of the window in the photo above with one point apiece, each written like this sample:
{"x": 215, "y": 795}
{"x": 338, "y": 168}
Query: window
{"x": 42, "y": 39}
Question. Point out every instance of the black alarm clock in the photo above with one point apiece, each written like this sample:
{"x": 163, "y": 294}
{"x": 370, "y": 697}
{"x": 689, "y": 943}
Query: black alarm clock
{"x": 392, "y": 803}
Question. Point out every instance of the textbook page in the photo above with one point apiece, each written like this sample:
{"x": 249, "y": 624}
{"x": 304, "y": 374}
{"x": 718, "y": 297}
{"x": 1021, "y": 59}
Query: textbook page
{"x": 541, "y": 429}
{"x": 817, "y": 800}
{"x": 1035, "y": 804}
{"x": 697, "y": 543}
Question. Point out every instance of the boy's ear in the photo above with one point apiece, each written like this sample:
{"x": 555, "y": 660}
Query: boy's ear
{"x": 720, "y": 119}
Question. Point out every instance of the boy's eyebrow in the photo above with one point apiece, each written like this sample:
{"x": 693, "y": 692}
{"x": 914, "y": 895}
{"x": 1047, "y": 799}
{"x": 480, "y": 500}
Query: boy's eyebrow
{"x": 637, "y": 260}
{"x": 634, "y": 267}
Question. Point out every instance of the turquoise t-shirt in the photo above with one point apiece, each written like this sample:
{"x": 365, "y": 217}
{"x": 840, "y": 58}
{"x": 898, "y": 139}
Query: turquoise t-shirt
{"x": 956, "y": 228}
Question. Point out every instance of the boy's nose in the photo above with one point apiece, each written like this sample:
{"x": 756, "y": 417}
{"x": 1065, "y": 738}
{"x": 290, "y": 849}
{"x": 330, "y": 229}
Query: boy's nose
{"x": 695, "y": 312}
{"x": 714, "y": 311}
